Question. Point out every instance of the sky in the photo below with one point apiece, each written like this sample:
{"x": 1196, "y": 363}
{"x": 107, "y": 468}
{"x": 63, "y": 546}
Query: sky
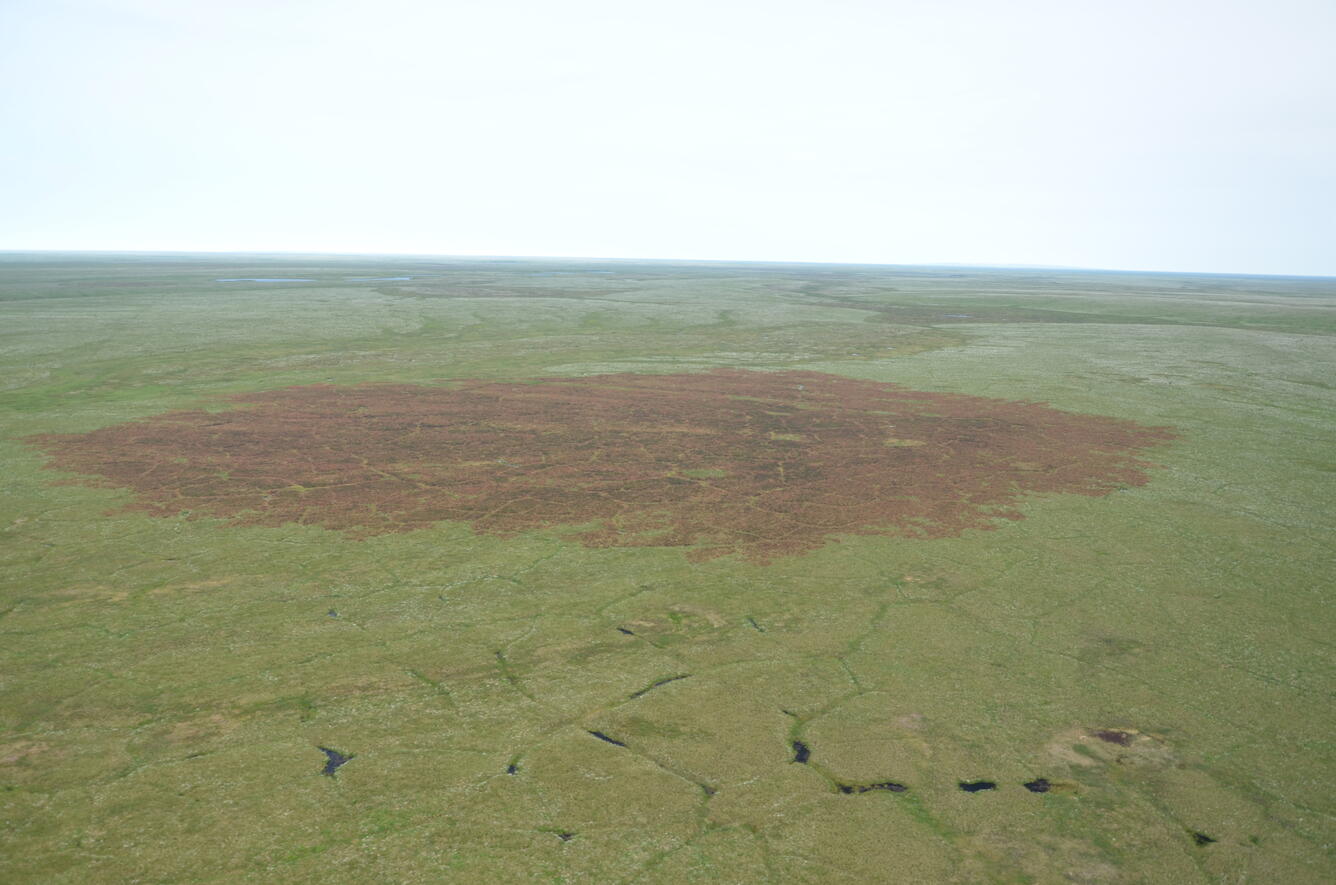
{"x": 1187, "y": 135}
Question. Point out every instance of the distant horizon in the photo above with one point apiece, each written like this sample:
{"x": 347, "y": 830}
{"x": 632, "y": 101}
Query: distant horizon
{"x": 445, "y": 256}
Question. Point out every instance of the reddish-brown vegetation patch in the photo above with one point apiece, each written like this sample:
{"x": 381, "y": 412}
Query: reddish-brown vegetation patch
{"x": 729, "y": 461}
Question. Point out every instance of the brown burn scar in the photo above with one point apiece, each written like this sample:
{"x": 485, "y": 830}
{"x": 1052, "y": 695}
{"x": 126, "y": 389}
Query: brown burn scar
{"x": 759, "y": 464}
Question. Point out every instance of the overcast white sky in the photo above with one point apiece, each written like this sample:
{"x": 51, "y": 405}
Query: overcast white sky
{"x": 1139, "y": 134}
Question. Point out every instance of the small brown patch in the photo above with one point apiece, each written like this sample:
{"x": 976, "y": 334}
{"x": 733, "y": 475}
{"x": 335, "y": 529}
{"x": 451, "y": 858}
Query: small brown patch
{"x": 191, "y": 586}
{"x": 78, "y": 594}
{"x": 1127, "y": 747}
{"x": 11, "y": 754}
{"x": 727, "y": 462}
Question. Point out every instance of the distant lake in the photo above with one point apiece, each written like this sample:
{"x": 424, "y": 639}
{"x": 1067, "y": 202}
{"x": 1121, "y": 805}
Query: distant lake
{"x": 264, "y": 280}
{"x": 375, "y": 279}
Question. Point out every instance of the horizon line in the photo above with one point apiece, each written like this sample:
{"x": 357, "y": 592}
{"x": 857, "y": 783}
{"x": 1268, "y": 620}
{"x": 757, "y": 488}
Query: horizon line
{"x": 661, "y": 260}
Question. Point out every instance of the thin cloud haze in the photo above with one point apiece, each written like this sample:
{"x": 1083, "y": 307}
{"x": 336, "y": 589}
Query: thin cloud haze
{"x": 1181, "y": 135}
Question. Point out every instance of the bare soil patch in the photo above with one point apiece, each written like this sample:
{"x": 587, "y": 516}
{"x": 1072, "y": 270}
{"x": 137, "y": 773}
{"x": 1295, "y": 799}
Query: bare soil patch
{"x": 759, "y": 464}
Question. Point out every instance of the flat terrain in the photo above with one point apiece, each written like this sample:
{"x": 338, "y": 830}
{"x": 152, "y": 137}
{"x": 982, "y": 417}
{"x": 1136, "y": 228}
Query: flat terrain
{"x": 339, "y": 569}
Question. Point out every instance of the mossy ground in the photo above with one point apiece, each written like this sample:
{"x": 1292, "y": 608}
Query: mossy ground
{"x": 166, "y": 683}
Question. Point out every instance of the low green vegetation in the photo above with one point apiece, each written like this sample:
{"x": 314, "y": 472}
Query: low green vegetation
{"x": 1144, "y": 676}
